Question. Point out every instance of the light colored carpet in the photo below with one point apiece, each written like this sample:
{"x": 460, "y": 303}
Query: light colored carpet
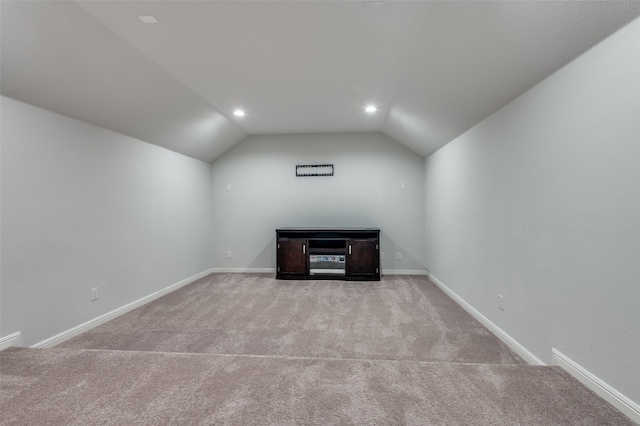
{"x": 90, "y": 387}
{"x": 250, "y": 350}
{"x": 397, "y": 318}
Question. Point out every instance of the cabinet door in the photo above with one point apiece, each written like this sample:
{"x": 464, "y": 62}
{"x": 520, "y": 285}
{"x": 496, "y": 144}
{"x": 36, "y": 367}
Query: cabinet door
{"x": 362, "y": 258}
{"x": 292, "y": 257}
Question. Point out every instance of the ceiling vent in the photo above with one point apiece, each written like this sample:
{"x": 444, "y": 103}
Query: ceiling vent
{"x": 148, "y": 19}
{"x": 373, "y": 5}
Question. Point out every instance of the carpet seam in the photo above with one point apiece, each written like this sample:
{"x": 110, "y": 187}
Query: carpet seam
{"x": 228, "y": 355}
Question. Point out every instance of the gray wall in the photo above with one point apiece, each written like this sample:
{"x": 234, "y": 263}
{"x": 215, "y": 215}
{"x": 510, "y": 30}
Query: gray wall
{"x": 365, "y": 191}
{"x": 541, "y": 203}
{"x": 85, "y": 207}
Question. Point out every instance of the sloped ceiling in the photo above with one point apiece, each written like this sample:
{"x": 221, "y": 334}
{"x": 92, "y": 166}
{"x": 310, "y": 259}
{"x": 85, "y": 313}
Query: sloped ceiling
{"x": 433, "y": 68}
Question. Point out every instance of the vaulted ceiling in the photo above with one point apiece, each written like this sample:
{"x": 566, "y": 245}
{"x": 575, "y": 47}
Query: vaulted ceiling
{"x": 433, "y": 69}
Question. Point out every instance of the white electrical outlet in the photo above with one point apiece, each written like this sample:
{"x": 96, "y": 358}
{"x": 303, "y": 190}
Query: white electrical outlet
{"x": 501, "y": 302}
{"x": 402, "y": 185}
{"x": 398, "y": 256}
{"x": 228, "y": 255}
{"x": 94, "y": 294}
{"x": 381, "y": 255}
{"x": 228, "y": 187}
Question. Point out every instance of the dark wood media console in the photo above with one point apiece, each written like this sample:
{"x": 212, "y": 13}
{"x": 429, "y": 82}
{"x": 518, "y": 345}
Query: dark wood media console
{"x": 328, "y": 253}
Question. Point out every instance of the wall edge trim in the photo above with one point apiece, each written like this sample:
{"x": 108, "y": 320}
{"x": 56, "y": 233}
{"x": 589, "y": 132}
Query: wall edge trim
{"x": 273, "y": 270}
{"x": 598, "y": 386}
{"x": 404, "y": 272}
{"x": 243, "y": 270}
{"x": 500, "y": 334}
{"x": 12, "y": 339}
{"x": 86, "y": 326}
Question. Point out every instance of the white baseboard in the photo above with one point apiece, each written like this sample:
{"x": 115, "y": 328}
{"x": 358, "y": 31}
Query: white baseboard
{"x": 606, "y": 392}
{"x": 603, "y": 390}
{"x": 72, "y": 332}
{"x": 508, "y": 340}
{"x": 243, "y": 270}
{"x": 273, "y": 271}
{"x": 404, "y": 272}
{"x": 10, "y": 340}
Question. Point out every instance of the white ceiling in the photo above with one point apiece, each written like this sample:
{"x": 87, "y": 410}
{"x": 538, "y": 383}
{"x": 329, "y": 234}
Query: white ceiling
{"x": 433, "y": 68}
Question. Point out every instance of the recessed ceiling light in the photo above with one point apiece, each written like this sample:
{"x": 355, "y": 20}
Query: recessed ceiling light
{"x": 238, "y": 113}
{"x": 371, "y": 108}
{"x": 148, "y": 19}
